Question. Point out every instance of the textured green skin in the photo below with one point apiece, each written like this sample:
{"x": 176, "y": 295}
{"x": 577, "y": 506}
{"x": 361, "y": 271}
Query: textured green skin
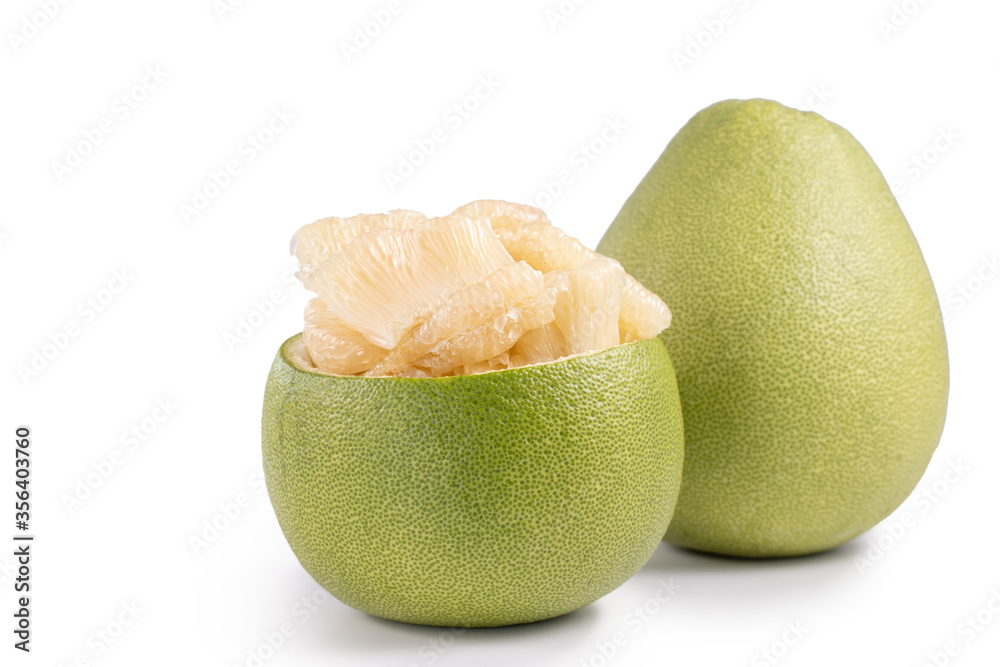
{"x": 807, "y": 336}
{"x": 471, "y": 501}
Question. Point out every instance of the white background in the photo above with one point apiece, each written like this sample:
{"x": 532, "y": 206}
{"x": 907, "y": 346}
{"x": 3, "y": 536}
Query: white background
{"x": 191, "y": 282}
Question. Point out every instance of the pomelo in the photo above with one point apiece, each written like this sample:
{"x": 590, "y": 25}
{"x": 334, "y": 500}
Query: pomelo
{"x": 478, "y": 426}
{"x": 807, "y": 335}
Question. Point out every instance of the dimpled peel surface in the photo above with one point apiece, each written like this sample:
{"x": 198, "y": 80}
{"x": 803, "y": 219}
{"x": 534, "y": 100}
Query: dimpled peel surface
{"x": 807, "y": 336}
{"x": 478, "y": 500}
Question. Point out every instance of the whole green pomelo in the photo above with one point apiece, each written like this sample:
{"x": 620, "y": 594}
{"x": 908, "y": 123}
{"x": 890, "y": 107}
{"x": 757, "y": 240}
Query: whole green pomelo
{"x": 807, "y": 336}
{"x": 476, "y": 500}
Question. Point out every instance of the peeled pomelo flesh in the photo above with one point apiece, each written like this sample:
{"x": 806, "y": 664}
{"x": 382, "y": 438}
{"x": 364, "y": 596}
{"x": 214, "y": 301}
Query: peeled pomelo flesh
{"x": 587, "y": 310}
{"x": 529, "y": 236}
{"x": 492, "y": 286}
{"x": 533, "y": 239}
{"x": 504, "y": 217}
{"x": 386, "y": 281}
{"x": 538, "y": 345}
{"x": 319, "y": 241}
{"x": 476, "y": 323}
{"x": 336, "y": 347}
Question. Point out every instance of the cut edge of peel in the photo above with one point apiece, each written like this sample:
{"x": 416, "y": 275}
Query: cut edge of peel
{"x": 295, "y": 354}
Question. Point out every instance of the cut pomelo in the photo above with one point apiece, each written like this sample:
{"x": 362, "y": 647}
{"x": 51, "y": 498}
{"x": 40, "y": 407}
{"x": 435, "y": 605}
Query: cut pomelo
{"x": 477, "y": 500}
{"x": 461, "y": 435}
{"x": 492, "y": 286}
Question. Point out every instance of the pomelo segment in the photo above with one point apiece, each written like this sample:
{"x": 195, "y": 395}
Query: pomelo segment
{"x": 538, "y": 346}
{"x": 504, "y": 217}
{"x": 528, "y": 236}
{"x": 641, "y": 314}
{"x": 333, "y": 346}
{"x": 386, "y": 281}
{"x": 587, "y": 309}
{"x": 475, "y": 324}
{"x": 319, "y": 241}
{"x": 544, "y": 246}
{"x": 492, "y": 286}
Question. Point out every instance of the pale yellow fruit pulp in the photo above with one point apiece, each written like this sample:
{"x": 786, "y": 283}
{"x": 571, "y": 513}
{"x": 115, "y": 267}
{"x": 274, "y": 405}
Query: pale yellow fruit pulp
{"x": 492, "y": 286}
